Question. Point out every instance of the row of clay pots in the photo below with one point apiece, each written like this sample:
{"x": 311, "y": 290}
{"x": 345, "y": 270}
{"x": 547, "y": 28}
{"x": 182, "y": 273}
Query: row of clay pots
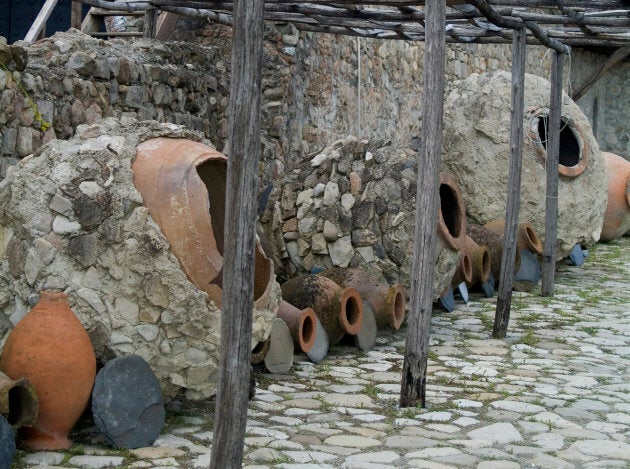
{"x": 344, "y": 302}
{"x": 483, "y": 246}
{"x": 49, "y": 374}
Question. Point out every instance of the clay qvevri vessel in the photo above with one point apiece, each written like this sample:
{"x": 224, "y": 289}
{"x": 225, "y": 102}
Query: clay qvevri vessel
{"x": 301, "y": 324}
{"x": 340, "y": 310}
{"x": 617, "y": 215}
{"x": 183, "y": 186}
{"x": 526, "y": 236}
{"x": 388, "y": 302}
{"x": 50, "y": 348}
{"x": 494, "y": 242}
{"x": 479, "y": 260}
{"x": 18, "y": 401}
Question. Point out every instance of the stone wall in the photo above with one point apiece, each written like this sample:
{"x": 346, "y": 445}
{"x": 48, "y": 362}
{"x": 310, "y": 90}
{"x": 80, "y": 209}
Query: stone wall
{"x": 73, "y": 79}
{"x": 313, "y": 90}
{"x": 607, "y": 103}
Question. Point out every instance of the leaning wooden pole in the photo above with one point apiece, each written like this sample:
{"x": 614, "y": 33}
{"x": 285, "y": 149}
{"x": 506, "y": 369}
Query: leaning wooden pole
{"x": 240, "y": 231}
{"x": 506, "y": 278}
{"x": 553, "y": 152}
{"x": 413, "y": 387}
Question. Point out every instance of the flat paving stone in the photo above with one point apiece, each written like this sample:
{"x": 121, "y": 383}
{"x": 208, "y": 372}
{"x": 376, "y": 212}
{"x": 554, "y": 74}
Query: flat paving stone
{"x": 561, "y": 400}
{"x": 497, "y": 433}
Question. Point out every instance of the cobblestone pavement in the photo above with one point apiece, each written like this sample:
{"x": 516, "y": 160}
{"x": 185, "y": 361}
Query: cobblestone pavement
{"x": 554, "y": 394}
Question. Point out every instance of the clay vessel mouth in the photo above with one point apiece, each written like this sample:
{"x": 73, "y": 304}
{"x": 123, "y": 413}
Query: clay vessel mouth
{"x": 397, "y": 304}
{"x": 534, "y": 243}
{"x": 308, "y": 329}
{"x": 351, "y": 311}
{"x": 573, "y": 150}
{"x": 451, "y": 214}
{"x": 466, "y": 266}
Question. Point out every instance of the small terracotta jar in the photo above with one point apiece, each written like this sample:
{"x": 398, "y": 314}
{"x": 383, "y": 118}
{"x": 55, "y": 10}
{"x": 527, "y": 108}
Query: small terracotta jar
{"x": 340, "y": 310}
{"x": 18, "y": 401}
{"x": 617, "y": 215}
{"x": 479, "y": 260}
{"x": 526, "y": 236}
{"x": 388, "y": 302}
{"x": 50, "y": 348}
{"x": 301, "y": 324}
{"x": 494, "y": 242}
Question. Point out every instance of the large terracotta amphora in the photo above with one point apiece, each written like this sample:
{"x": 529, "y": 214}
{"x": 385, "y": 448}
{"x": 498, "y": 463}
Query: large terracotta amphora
{"x": 50, "y": 348}
{"x": 617, "y": 216}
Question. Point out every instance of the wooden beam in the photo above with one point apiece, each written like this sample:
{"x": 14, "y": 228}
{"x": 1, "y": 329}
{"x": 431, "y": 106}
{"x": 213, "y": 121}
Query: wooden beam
{"x": 618, "y": 56}
{"x": 76, "y": 15}
{"x": 240, "y": 235}
{"x": 414, "y": 375}
{"x": 554, "y": 123}
{"x": 167, "y": 23}
{"x": 504, "y": 298}
{"x": 40, "y": 21}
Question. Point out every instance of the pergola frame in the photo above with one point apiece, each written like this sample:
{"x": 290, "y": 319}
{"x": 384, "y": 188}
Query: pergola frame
{"x": 603, "y": 23}
{"x": 557, "y": 24}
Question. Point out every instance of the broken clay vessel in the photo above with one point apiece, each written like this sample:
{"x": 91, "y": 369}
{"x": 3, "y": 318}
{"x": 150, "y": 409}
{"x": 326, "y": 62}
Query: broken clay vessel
{"x": 18, "y": 401}
{"x": 50, "y": 348}
{"x": 388, "y": 301}
{"x": 183, "y": 185}
{"x": 340, "y": 310}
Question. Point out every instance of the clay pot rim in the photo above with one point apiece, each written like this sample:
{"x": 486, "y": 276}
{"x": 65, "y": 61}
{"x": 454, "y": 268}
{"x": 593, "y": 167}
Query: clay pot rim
{"x": 351, "y": 321}
{"x": 307, "y": 329}
{"x": 453, "y": 242}
{"x": 541, "y": 152}
{"x": 466, "y": 266}
{"x": 534, "y": 243}
{"x": 397, "y": 305}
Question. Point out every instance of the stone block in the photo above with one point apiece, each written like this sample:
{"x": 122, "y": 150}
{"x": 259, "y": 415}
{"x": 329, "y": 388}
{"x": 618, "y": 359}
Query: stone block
{"x": 127, "y": 403}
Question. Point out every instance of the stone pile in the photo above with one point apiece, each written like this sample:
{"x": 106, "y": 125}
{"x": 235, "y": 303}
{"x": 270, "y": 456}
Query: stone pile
{"x": 352, "y": 205}
{"x": 71, "y": 219}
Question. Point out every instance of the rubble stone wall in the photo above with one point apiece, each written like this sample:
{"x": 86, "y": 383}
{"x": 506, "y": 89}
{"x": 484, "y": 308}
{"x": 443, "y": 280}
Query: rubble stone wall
{"x": 313, "y": 91}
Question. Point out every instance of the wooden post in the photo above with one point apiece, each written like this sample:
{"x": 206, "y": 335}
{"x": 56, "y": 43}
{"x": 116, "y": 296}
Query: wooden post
{"x": 553, "y": 150}
{"x": 413, "y": 387}
{"x": 40, "y": 21}
{"x": 76, "y": 15}
{"x": 240, "y": 231}
{"x": 150, "y": 23}
{"x": 506, "y": 277}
